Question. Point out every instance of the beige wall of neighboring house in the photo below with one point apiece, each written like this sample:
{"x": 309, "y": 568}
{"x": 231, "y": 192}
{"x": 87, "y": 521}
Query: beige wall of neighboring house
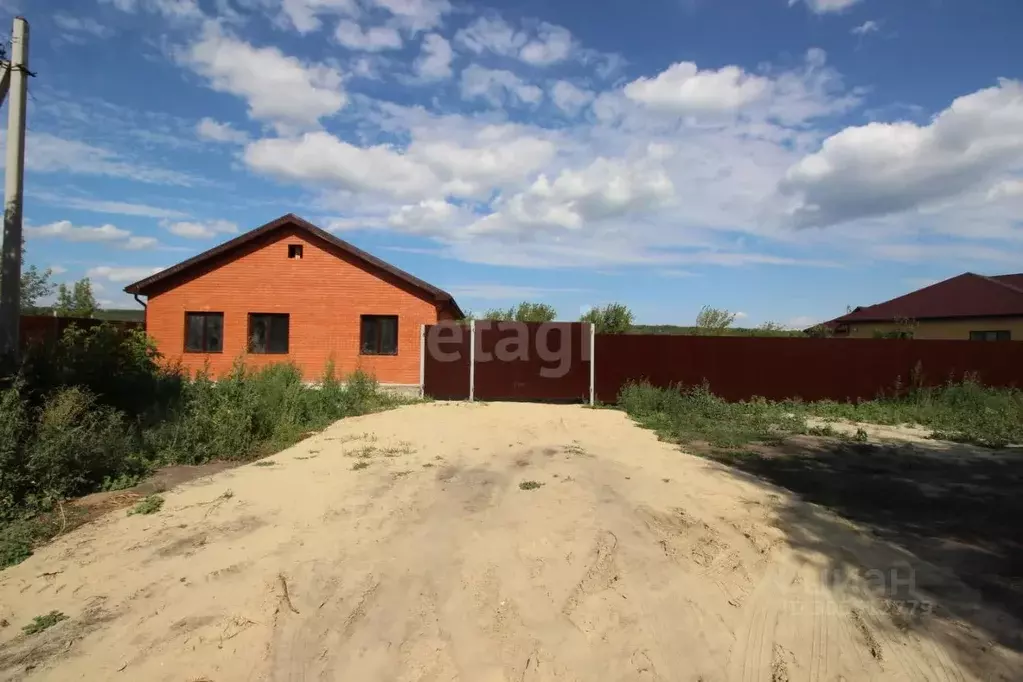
{"x": 942, "y": 329}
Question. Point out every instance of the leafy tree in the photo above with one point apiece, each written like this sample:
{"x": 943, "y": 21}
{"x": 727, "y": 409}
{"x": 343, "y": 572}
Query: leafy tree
{"x": 524, "y": 312}
{"x": 771, "y": 327}
{"x": 714, "y": 321}
{"x": 35, "y": 284}
{"x": 77, "y": 300}
{"x": 613, "y": 318}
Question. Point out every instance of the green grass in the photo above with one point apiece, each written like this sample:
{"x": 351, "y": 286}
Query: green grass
{"x": 150, "y": 504}
{"x": 964, "y": 412}
{"x": 40, "y": 623}
{"x": 265, "y": 463}
{"x": 529, "y": 485}
{"x": 361, "y": 464}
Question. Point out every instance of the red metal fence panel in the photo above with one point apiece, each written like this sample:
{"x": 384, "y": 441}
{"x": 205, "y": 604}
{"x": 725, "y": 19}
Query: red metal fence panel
{"x": 532, "y": 361}
{"x": 446, "y": 361}
{"x": 812, "y": 369}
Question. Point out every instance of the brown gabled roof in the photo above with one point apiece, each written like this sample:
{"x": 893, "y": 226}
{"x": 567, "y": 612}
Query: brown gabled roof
{"x": 966, "y": 295}
{"x": 292, "y": 220}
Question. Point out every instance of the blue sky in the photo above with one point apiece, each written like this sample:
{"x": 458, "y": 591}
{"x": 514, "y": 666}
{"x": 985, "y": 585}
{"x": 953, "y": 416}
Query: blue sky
{"x": 782, "y": 158}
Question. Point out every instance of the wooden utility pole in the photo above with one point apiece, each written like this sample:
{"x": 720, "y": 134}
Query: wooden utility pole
{"x": 10, "y": 259}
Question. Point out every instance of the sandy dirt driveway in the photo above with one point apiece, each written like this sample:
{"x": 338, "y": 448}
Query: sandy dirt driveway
{"x": 631, "y": 561}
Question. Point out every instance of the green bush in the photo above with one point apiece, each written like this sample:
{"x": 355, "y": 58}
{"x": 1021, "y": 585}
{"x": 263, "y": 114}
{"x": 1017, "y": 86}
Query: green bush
{"x": 96, "y": 411}
{"x": 15, "y": 431}
{"x": 79, "y": 443}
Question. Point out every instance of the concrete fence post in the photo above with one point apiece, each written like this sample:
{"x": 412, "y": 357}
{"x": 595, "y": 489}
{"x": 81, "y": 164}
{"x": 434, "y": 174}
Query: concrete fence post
{"x": 593, "y": 363}
{"x": 472, "y": 360}
{"x": 422, "y": 360}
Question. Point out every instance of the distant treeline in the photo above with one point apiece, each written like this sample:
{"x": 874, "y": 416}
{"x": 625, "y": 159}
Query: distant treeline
{"x": 678, "y": 330}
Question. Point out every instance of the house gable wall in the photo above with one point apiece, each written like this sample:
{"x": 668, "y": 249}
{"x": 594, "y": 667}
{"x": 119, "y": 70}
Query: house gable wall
{"x": 325, "y": 293}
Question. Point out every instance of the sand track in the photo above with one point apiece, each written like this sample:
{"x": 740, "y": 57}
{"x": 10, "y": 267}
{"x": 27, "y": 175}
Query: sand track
{"x": 632, "y": 561}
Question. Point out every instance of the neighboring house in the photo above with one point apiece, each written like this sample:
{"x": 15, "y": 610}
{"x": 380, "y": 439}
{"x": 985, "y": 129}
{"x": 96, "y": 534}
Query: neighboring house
{"x": 289, "y": 291}
{"x": 968, "y": 307}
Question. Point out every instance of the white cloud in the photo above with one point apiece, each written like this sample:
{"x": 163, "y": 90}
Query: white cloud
{"x": 604, "y": 189}
{"x": 102, "y": 206}
{"x": 52, "y": 154}
{"x": 303, "y": 15}
{"x": 426, "y": 216}
{"x": 887, "y": 168}
{"x": 825, "y": 6}
{"x": 322, "y": 158}
{"x": 551, "y": 44}
{"x": 570, "y": 98}
{"x": 544, "y": 45}
{"x": 63, "y": 229}
{"x": 410, "y": 15}
{"x": 139, "y": 243}
{"x": 685, "y": 90}
{"x": 76, "y": 28}
{"x": 497, "y": 87}
{"x": 121, "y": 274}
{"x": 866, "y": 27}
{"x": 434, "y": 61}
{"x": 415, "y": 15}
{"x": 200, "y": 230}
{"x": 372, "y": 39}
{"x": 278, "y": 88}
{"x": 447, "y": 156}
{"x": 1006, "y": 189}
{"x": 180, "y": 10}
{"x": 66, "y": 231}
{"x": 491, "y": 33}
{"x": 482, "y": 160}
{"x": 208, "y": 129}
{"x": 57, "y": 269}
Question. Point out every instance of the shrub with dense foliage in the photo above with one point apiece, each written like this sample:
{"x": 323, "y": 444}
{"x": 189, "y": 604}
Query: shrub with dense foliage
{"x": 98, "y": 411}
{"x": 613, "y": 318}
{"x": 523, "y": 312}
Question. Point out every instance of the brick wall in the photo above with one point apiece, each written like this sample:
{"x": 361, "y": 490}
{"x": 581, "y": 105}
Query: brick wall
{"x": 325, "y": 293}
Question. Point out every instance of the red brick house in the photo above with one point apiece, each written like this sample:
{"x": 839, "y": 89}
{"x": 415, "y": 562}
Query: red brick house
{"x": 289, "y": 291}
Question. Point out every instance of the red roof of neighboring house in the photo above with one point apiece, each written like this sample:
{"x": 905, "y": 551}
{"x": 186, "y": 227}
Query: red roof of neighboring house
{"x": 292, "y": 220}
{"x": 1011, "y": 280}
{"x": 967, "y": 295}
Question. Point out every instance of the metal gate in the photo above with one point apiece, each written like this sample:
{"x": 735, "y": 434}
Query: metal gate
{"x": 488, "y": 360}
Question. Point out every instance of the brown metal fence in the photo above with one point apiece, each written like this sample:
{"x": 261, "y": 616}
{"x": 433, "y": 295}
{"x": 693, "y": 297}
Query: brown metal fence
{"x": 510, "y": 361}
{"x": 811, "y": 369}
{"x": 47, "y": 328}
{"x": 532, "y": 361}
{"x": 446, "y": 353}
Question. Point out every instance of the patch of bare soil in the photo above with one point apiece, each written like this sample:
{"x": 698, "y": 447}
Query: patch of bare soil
{"x": 630, "y": 561}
